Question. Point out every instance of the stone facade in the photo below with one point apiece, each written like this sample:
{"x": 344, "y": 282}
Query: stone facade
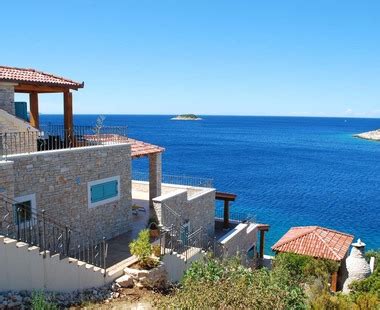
{"x": 7, "y": 97}
{"x": 199, "y": 210}
{"x": 16, "y": 135}
{"x": 155, "y": 176}
{"x": 153, "y": 278}
{"x": 238, "y": 241}
{"x": 6, "y": 187}
{"x": 59, "y": 179}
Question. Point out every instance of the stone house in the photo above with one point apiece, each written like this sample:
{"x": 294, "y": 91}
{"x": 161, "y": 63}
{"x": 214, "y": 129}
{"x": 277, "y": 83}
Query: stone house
{"x": 70, "y": 190}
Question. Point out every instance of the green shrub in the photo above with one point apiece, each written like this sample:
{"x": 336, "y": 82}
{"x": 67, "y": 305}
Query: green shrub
{"x": 306, "y": 269}
{"x": 228, "y": 285}
{"x": 39, "y": 302}
{"x": 142, "y": 249}
{"x": 375, "y": 254}
{"x": 369, "y": 285}
{"x": 295, "y": 282}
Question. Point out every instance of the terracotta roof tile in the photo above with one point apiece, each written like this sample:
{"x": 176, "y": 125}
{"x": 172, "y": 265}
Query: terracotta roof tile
{"x": 138, "y": 148}
{"x": 22, "y": 75}
{"x": 315, "y": 241}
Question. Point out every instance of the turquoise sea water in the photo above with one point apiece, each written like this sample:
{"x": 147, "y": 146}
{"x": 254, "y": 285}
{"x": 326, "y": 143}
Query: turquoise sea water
{"x": 287, "y": 171}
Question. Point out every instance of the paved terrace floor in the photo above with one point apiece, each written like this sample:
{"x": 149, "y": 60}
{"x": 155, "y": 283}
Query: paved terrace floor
{"x": 118, "y": 247}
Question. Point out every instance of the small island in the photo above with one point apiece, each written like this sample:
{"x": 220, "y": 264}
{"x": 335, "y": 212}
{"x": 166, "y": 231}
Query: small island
{"x": 186, "y": 117}
{"x": 370, "y": 135}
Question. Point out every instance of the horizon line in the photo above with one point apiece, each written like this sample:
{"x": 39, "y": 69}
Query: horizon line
{"x": 225, "y": 115}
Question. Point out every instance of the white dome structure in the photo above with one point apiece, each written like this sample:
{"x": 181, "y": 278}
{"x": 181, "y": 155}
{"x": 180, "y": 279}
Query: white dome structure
{"x": 357, "y": 266}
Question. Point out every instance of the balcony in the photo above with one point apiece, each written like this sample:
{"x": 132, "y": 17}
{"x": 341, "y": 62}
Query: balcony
{"x": 55, "y": 137}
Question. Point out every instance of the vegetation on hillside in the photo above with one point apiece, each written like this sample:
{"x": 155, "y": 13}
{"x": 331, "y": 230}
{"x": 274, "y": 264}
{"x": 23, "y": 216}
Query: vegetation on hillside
{"x": 295, "y": 282}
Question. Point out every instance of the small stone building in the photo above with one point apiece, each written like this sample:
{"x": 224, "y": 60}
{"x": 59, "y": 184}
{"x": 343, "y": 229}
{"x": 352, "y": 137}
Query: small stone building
{"x": 318, "y": 242}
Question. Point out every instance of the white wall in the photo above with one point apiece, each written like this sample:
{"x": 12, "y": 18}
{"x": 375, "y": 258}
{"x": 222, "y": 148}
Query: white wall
{"x": 23, "y": 268}
{"x": 176, "y": 265}
{"x": 239, "y": 240}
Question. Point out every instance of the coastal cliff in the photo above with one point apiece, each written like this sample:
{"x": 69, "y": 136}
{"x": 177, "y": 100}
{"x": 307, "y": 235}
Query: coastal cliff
{"x": 370, "y": 135}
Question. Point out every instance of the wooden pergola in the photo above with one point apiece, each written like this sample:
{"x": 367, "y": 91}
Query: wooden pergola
{"x": 226, "y": 198}
{"x": 35, "y": 82}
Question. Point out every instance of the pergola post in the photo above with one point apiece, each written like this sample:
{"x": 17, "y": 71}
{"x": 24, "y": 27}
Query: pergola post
{"x": 155, "y": 176}
{"x": 226, "y": 214}
{"x": 34, "y": 114}
{"x": 68, "y": 111}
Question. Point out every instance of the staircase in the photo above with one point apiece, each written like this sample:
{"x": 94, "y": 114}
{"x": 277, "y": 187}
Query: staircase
{"x": 26, "y": 267}
{"x": 38, "y": 253}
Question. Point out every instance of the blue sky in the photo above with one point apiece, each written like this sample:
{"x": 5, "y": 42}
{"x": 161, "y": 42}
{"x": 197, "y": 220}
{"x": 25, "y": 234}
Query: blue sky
{"x": 312, "y": 58}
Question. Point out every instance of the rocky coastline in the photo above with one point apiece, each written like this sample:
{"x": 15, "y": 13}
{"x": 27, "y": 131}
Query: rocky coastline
{"x": 370, "y": 135}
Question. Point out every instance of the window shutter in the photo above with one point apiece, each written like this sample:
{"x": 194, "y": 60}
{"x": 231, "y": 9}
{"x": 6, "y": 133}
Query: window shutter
{"x": 97, "y": 193}
{"x": 110, "y": 189}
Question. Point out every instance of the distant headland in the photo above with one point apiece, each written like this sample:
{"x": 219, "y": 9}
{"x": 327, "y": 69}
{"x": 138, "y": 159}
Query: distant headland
{"x": 370, "y": 135}
{"x": 186, "y": 117}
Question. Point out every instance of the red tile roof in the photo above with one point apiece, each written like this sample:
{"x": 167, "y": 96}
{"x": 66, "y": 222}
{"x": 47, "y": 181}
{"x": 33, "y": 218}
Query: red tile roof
{"x": 315, "y": 241}
{"x": 138, "y": 148}
{"x": 31, "y": 76}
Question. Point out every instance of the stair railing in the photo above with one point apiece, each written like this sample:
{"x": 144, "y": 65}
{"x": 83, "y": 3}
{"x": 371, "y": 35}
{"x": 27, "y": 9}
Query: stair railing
{"x": 20, "y": 222}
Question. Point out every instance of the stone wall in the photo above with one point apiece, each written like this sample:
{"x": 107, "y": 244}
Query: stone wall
{"x": 176, "y": 265}
{"x": 239, "y": 240}
{"x": 6, "y": 188}
{"x": 199, "y": 209}
{"x": 59, "y": 181}
{"x": 7, "y": 98}
{"x": 16, "y": 135}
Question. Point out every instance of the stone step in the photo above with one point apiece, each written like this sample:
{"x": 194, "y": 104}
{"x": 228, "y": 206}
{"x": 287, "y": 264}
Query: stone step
{"x": 34, "y": 248}
{"x": 9, "y": 241}
{"x": 125, "y": 281}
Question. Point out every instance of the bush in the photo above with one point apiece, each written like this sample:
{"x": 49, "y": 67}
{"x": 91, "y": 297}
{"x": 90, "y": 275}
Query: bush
{"x": 228, "y": 285}
{"x": 306, "y": 269}
{"x": 142, "y": 248}
{"x": 295, "y": 282}
{"x": 39, "y": 302}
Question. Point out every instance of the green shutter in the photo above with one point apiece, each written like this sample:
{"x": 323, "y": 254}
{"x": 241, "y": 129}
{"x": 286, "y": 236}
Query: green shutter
{"x": 97, "y": 193}
{"x": 21, "y": 110}
{"x": 104, "y": 191}
{"x": 110, "y": 189}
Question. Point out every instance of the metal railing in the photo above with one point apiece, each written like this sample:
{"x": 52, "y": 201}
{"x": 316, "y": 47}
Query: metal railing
{"x": 169, "y": 217}
{"x": 18, "y": 221}
{"x": 178, "y": 240}
{"x": 55, "y": 137}
{"x": 176, "y": 179}
{"x": 235, "y": 216}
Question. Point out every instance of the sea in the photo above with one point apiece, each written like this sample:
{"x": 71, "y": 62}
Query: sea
{"x": 285, "y": 171}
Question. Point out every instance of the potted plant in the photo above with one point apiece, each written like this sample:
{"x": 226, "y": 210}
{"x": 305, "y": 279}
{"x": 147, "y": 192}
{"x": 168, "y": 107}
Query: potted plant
{"x": 153, "y": 228}
{"x": 148, "y": 271}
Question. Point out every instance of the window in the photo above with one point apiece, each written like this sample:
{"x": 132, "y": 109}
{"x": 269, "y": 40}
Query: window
{"x": 251, "y": 252}
{"x": 103, "y": 191}
{"x": 24, "y": 209}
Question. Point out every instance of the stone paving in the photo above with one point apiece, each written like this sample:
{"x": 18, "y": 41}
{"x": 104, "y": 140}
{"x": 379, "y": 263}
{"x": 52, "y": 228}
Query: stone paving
{"x": 118, "y": 247}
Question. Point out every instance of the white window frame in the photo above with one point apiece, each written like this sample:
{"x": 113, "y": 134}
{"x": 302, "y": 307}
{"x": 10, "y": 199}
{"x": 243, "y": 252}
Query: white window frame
{"x": 33, "y": 206}
{"x": 105, "y": 201}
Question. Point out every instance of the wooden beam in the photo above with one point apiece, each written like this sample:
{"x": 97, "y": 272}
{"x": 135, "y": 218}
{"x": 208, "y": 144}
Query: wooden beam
{"x": 226, "y": 215}
{"x": 334, "y": 281}
{"x": 68, "y": 112}
{"x": 29, "y": 88}
{"x": 225, "y": 196}
{"x": 34, "y": 115}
